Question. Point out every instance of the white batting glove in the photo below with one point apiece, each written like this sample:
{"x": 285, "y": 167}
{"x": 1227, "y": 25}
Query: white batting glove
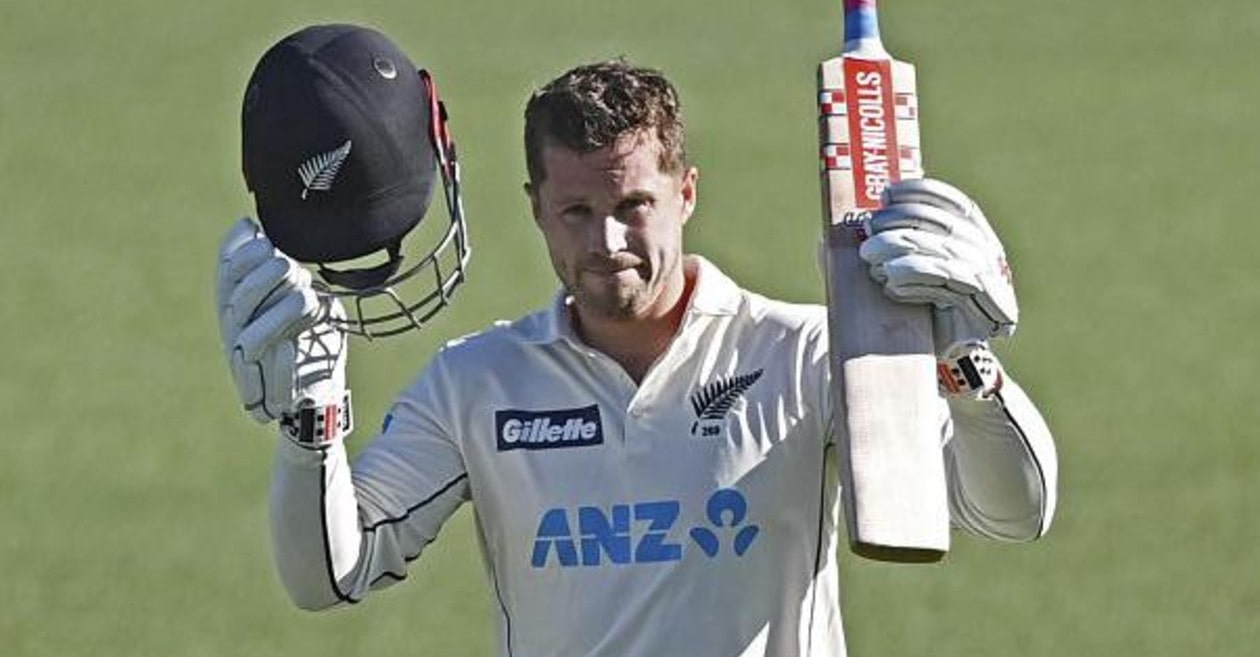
{"x": 287, "y": 358}
{"x": 930, "y": 243}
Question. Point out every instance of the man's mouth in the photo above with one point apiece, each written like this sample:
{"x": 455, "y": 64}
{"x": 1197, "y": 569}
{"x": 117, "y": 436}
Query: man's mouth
{"x": 613, "y": 265}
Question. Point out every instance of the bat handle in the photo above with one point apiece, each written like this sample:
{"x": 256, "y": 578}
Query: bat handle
{"x": 861, "y": 26}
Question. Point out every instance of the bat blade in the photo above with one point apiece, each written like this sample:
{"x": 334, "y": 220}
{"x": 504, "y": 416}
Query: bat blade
{"x": 883, "y": 361}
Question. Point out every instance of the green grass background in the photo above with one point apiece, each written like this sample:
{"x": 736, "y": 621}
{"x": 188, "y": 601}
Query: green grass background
{"x": 1114, "y": 144}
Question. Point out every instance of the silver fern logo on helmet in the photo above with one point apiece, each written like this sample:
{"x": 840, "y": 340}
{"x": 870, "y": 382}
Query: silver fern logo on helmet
{"x": 319, "y": 172}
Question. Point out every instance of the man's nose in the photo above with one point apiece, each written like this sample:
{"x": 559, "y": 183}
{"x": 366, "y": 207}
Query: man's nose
{"x": 610, "y": 235}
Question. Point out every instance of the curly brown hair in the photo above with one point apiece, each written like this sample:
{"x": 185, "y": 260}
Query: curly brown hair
{"x": 590, "y": 107}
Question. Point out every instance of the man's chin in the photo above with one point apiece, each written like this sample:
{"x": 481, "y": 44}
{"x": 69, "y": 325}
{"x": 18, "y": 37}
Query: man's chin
{"x": 609, "y": 304}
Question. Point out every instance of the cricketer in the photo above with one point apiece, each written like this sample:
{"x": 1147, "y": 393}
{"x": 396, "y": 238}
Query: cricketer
{"x": 650, "y": 456}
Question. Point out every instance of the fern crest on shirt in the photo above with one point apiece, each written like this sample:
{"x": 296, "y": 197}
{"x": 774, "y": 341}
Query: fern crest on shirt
{"x": 714, "y": 400}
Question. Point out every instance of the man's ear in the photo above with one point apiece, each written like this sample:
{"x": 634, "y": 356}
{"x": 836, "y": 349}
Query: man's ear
{"x": 689, "y": 190}
{"x": 534, "y": 205}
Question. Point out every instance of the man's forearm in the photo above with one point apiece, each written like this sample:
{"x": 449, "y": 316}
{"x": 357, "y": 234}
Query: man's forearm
{"x": 314, "y": 523}
{"x": 1002, "y": 466}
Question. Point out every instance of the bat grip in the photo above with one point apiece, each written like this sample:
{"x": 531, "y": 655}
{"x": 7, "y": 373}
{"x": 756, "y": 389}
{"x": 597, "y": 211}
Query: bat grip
{"x": 861, "y": 23}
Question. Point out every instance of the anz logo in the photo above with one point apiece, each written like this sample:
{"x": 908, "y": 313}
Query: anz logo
{"x": 639, "y": 532}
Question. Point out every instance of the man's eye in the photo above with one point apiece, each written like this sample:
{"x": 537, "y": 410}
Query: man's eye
{"x": 575, "y": 212}
{"x": 636, "y": 206}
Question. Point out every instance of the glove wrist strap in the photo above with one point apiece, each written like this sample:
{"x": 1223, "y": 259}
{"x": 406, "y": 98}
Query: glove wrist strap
{"x": 316, "y": 426}
{"x": 969, "y": 370}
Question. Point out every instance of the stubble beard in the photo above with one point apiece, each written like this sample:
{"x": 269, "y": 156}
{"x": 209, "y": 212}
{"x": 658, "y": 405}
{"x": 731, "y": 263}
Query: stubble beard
{"x": 601, "y": 297}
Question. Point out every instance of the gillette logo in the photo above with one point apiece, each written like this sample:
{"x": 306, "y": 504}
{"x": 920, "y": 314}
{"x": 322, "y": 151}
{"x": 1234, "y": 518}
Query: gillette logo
{"x": 571, "y": 427}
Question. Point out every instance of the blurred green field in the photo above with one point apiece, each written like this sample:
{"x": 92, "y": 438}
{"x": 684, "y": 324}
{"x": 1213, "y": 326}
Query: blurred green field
{"x": 1114, "y": 144}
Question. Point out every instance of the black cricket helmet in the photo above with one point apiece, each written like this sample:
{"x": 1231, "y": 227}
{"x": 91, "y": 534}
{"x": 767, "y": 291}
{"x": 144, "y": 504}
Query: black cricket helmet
{"x": 341, "y": 136}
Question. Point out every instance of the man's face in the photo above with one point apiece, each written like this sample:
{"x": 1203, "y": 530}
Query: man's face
{"x": 613, "y": 224}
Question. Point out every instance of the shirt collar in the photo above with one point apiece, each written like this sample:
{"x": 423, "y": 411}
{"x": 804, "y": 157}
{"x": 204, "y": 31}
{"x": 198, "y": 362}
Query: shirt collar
{"x": 715, "y": 294}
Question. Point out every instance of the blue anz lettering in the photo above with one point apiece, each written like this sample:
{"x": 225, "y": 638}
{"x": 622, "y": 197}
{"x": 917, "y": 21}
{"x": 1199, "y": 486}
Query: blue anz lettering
{"x": 553, "y": 530}
{"x": 660, "y": 516}
{"x": 604, "y": 535}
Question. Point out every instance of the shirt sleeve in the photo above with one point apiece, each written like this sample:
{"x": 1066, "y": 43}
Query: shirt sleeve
{"x": 817, "y": 375}
{"x": 1001, "y": 465}
{"x": 340, "y": 531}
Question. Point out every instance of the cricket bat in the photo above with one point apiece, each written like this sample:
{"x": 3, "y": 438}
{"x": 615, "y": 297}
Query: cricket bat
{"x": 882, "y": 359}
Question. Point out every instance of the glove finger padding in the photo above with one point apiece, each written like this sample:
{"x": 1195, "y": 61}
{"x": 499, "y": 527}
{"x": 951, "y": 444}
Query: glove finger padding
{"x": 271, "y": 281}
{"x": 950, "y": 287}
{"x": 916, "y": 216}
{"x": 280, "y": 337}
{"x": 244, "y": 248}
{"x": 942, "y": 195}
{"x": 884, "y": 247}
{"x": 948, "y": 204}
{"x": 298, "y": 310}
{"x": 951, "y": 271}
{"x": 903, "y": 258}
{"x": 244, "y": 230}
{"x": 932, "y": 244}
{"x": 929, "y": 191}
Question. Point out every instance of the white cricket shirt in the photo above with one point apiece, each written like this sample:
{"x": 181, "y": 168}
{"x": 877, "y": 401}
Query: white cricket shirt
{"x": 693, "y": 514}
